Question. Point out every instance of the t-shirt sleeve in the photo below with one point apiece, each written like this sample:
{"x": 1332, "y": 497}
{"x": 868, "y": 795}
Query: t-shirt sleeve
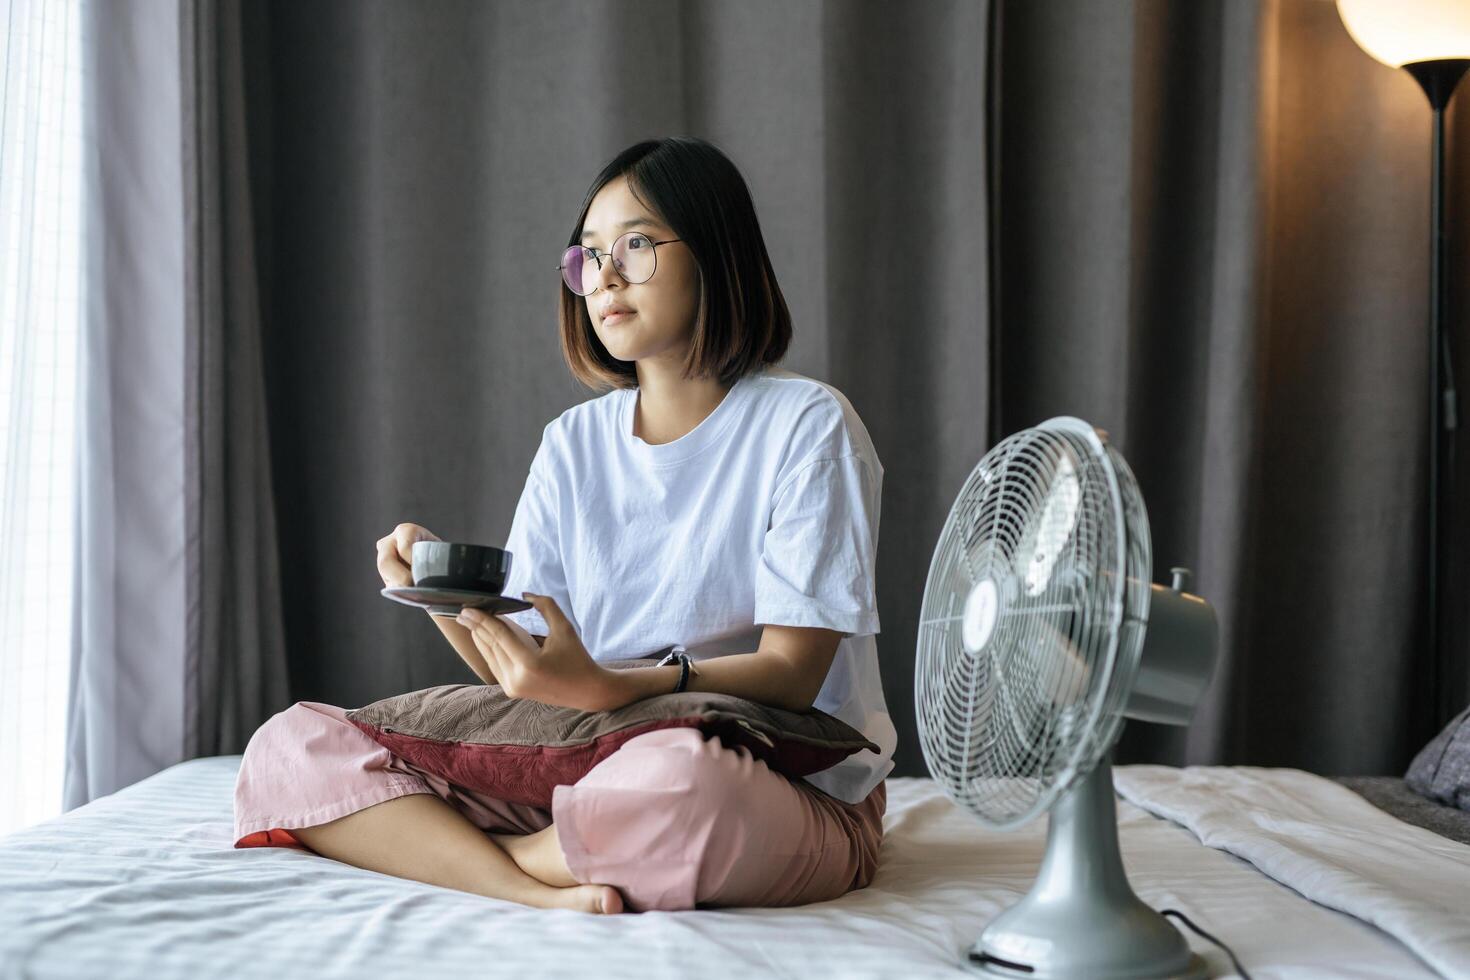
{"x": 817, "y": 564}
{"x": 535, "y": 546}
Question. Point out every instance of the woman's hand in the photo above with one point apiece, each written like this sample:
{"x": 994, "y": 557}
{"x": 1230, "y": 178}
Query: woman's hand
{"x": 395, "y": 553}
{"x": 559, "y": 673}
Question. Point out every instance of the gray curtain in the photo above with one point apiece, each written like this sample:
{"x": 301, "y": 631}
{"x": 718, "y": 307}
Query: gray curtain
{"x": 178, "y": 642}
{"x": 1208, "y": 237}
{"x": 1212, "y": 237}
{"x": 427, "y": 167}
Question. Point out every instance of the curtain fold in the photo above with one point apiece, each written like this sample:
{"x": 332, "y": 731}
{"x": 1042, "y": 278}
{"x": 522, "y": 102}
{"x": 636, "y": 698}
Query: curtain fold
{"x": 1213, "y": 245}
{"x": 125, "y": 713}
{"x": 40, "y": 294}
{"x": 235, "y": 672}
{"x": 178, "y": 645}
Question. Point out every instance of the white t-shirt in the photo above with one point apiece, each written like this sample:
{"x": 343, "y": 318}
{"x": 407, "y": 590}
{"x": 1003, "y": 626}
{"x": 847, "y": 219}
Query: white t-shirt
{"x": 766, "y": 512}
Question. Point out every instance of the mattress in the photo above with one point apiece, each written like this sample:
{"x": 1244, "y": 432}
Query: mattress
{"x": 1392, "y": 795}
{"x": 146, "y": 883}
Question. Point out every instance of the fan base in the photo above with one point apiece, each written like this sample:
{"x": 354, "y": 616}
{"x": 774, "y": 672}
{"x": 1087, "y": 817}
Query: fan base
{"x": 1081, "y": 918}
{"x": 983, "y": 964}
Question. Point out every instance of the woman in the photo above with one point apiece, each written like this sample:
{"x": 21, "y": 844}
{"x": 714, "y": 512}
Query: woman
{"x": 710, "y": 501}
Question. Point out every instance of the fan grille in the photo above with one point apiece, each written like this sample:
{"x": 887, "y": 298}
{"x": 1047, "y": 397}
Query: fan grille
{"x": 1038, "y": 583}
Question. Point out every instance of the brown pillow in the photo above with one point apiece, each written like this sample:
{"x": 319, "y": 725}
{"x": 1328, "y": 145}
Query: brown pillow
{"x": 517, "y": 749}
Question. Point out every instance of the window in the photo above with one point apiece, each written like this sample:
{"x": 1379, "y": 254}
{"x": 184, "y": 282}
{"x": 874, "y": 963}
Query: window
{"x": 41, "y": 248}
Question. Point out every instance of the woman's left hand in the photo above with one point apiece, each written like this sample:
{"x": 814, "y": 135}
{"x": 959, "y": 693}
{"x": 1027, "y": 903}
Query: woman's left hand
{"x": 561, "y": 672}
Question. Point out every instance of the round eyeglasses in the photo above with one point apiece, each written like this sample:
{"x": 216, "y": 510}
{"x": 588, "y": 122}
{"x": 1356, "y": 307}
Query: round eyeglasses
{"x": 633, "y": 255}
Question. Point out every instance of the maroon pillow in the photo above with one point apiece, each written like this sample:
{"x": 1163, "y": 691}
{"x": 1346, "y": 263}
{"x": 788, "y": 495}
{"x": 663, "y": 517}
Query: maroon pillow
{"x": 517, "y": 749}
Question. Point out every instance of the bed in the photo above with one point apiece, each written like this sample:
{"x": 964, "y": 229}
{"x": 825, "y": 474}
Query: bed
{"x": 145, "y": 883}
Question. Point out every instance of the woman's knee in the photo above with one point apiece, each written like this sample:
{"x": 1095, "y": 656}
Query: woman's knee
{"x": 272, "y": 727}
{"x": 693, "y": 789}
{"x": 305, "y": 730}
{"x": 662, "y": 818}
{"x": 684, "y": 762}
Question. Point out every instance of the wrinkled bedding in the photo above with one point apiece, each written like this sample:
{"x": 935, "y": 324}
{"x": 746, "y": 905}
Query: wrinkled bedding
{"x": 1326, "y": 842}
{"x": 145, "y": 883}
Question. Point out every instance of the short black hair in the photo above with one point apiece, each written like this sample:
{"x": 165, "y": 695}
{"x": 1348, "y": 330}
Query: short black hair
{"x": 697, "y": 191}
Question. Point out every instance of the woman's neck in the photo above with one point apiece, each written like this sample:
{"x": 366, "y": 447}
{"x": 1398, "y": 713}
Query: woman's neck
{"x": 668, "y": 408}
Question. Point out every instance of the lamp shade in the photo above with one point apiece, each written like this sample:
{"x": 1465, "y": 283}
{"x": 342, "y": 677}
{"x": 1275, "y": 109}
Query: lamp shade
{"x": 1399, "y": 32}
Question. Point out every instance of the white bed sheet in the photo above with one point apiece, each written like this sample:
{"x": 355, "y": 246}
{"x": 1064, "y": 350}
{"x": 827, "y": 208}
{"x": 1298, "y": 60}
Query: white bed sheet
{"x": 1328, "y": 843}
{"x": 145, "y": 883}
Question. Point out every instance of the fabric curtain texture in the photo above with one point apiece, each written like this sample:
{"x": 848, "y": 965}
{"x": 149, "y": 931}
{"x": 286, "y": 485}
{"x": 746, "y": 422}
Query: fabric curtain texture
{"x": 330, "y": 308}
{"x": 1213, "y": 242}
{"x": 178, "y": 642}
{"x": 427, "y": 167}
{"x": 40, "y": 299}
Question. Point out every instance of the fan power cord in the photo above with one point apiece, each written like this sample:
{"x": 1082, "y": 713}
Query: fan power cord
{"x": 1185, "y": 919}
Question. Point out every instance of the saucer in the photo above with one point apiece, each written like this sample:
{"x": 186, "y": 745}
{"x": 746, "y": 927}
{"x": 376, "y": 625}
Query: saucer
{"x": 448, "y": 602}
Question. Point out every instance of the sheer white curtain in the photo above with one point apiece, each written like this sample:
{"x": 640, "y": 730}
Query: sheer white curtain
{"x": 40, "y": 309}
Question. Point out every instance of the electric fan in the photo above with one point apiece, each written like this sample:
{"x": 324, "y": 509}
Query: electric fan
{"x": 1040, "y": 632}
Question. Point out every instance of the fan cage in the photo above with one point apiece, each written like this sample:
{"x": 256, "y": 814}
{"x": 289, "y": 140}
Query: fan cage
{"x": 1052, "y": 517}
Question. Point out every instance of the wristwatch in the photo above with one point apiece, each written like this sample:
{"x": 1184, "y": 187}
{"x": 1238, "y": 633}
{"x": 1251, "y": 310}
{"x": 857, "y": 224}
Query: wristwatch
{"x": 678, "y": 656}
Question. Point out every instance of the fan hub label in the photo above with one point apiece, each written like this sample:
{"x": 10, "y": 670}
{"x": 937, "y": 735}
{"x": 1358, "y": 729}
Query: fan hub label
{"x": 981, "y": 609}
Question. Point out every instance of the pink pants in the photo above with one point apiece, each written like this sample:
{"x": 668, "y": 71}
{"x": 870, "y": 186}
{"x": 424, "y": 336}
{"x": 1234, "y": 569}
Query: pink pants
{"x": 672, "y": 820}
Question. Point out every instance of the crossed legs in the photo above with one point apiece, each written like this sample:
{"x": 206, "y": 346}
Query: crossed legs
{"x": 669, "y": 821}
{"x": 421, "y": 837}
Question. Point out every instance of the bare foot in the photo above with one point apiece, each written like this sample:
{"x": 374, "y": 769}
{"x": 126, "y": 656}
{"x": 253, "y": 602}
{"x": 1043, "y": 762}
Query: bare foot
{"x": 529, "y": 852}
{"x": 597, "y": 899}
{"x": 538, "y": 855}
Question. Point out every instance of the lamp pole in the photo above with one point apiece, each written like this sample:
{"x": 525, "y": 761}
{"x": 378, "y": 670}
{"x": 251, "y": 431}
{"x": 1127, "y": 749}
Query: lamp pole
{"x": 1430, "y": 39}
{"x": 1438, "y": 78}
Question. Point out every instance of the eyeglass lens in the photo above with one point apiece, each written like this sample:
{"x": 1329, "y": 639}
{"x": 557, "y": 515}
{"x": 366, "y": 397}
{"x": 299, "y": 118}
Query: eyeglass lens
{"x": 632, "y": 256}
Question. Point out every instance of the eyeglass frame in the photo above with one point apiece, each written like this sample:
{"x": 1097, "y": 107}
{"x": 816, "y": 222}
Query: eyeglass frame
{"x": 597, "y": 257}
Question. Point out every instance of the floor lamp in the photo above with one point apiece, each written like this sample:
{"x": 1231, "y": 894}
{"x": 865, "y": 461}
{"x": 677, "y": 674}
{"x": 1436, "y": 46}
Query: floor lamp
{"x": 1430, "y": 39}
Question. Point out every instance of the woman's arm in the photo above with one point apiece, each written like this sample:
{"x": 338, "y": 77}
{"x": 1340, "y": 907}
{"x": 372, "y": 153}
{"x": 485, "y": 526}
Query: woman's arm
{"x": 464, "y": 645}
{"x": 459, "y": 638}
{"x": 787, "y": 672}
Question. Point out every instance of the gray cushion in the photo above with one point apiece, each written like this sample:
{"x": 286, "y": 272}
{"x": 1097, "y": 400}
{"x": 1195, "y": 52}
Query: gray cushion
{"x": 1441, "y": 770}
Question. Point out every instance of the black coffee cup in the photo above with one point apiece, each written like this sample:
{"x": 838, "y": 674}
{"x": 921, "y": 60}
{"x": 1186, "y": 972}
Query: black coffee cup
{"x": 470, "y": 567}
